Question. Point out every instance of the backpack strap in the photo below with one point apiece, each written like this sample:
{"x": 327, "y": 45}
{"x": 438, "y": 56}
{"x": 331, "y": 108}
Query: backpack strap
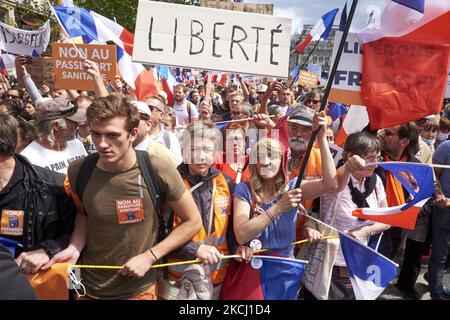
{"x": 152, "y": 183}
{"x": 84, "y": 174}
{"x": 166, "y": 138}
{"x": 188, "y": 105}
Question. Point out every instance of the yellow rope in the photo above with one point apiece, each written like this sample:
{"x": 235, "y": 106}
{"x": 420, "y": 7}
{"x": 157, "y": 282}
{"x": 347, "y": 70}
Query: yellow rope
{"x": 185, "y": 262}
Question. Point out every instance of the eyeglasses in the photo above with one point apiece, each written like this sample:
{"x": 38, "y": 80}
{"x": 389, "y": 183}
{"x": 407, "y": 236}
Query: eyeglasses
{"x": 374, "y": 159}
{"x": 308, "y": 101}
{"x": 10, "y": 96}
{"x": 154, "y": 108}
{"x": 389, "y": 133}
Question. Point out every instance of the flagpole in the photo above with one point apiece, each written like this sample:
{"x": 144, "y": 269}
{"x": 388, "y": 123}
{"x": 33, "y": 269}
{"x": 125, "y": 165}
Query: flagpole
{"x": 304, "y": 63}
{"x": 346, "y": 235}
{"x": 420, "y": 164}
{"x": 327, "y": 91}
{"x": 64, "y": 29}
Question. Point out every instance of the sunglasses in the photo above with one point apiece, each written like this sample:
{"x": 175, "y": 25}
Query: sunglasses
{"x": 12, "y": 96}
{"x": 154, "y": 108}
{"x": 236, "y": 113}
{"x": 313, "y": 101}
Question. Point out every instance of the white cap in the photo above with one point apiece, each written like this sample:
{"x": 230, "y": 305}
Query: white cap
{"x": 142, "y": 107}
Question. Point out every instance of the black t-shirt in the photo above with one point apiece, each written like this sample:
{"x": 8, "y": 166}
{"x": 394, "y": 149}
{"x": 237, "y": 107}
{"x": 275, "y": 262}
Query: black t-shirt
{"x": 12, "y": 203}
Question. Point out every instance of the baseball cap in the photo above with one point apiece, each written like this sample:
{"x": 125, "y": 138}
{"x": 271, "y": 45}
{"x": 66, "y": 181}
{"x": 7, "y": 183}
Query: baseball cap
{"x": 302, "y": 115}
{"x": 142, "y": 107}
{"x": 59, "y": 108}
{"x": 163, "y": 95}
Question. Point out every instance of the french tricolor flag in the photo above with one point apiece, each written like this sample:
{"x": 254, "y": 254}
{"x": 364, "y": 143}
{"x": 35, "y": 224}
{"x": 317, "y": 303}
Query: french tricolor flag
{"x": 418, "y": 180}
{"x": 320, "y": 31}
{"x": 405, "y": 61}
{"x": 369, "y": 271}
{"x": 94, "y": 27}
{"x": 355, "y": 120}
{"x": 168, "y": 82}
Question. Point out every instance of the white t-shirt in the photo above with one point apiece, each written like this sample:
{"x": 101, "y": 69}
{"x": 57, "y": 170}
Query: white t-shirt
{"x": 344, "y": 205}
{"x": 54, "y": 160}
{"x": 182, "y": 115}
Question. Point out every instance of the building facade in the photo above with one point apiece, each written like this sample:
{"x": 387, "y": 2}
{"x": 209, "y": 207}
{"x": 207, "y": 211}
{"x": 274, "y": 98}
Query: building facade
{"x": 321, "y": 55}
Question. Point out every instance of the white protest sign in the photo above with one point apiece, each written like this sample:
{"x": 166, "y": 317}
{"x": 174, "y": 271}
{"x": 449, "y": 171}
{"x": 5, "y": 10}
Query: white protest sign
{"x": 213, "y": 39}
{"x": 24, "y": 42}
{"x": 347, "y": 81}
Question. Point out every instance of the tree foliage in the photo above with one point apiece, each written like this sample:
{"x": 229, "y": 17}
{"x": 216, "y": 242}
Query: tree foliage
{"x": 123, "y": 11}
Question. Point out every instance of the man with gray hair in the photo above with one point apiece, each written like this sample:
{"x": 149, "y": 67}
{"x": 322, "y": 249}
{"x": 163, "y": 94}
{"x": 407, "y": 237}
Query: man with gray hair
{"x": 56, "y": 147}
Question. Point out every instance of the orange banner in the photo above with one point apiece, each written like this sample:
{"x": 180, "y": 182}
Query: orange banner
{"x": 51, "y": 284}
{"x": 67, "y": 64}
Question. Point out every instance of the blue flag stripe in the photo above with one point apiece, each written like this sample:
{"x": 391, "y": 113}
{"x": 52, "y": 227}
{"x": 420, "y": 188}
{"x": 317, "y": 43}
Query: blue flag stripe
{"x": 418, "y": 5}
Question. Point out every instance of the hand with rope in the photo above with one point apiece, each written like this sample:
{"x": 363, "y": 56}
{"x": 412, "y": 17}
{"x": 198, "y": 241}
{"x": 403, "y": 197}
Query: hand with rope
{"x": 208, "y": 254}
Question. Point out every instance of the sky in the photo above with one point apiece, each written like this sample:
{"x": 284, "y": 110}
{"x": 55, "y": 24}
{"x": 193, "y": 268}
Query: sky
{"x": 309, "y": 11}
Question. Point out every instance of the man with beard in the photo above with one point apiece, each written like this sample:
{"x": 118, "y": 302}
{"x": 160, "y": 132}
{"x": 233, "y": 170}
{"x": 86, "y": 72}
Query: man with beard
{"x": 299, "y": 133}
{"x": 185, "y": 110}
{"x": 195, "y": 97}
{"x": 56, "y": 122}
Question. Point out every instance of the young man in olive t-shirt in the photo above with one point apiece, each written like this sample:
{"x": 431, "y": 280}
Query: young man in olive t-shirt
{"x": 116, "y": 222}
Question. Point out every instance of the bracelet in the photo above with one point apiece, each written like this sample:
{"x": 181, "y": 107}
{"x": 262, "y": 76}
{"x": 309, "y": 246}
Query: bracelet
{"x": 270, "y": 215}
{"x": 156, "y": 259}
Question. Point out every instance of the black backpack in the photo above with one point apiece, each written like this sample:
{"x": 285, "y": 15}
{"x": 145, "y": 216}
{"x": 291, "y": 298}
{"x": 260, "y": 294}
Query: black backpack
{"x": 150, "y": 178}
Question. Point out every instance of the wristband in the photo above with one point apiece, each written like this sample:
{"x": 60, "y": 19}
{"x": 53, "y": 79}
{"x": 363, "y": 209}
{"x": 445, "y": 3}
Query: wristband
{"x": 270, "y": 215}
{"x": 154, "y": 256}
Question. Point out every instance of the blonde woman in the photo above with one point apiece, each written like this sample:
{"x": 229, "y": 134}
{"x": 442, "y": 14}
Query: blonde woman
{"x": 265, "y": 208}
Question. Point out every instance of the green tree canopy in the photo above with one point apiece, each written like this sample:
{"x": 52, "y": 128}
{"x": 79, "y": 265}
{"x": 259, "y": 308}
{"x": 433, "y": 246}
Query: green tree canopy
{"x": 124, "y": 11}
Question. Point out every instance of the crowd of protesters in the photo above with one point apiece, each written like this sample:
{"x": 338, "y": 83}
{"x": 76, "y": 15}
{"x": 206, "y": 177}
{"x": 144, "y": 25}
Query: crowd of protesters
{"x": 103, "y": 179}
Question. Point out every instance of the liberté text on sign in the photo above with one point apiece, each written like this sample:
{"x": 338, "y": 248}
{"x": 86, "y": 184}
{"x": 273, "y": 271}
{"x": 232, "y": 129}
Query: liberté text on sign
{"x": 212, "y": 39}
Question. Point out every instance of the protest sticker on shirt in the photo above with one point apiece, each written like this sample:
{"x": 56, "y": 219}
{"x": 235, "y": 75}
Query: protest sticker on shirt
{"x": 130, "y": 210}
{"x": 221, "y": 204}
{"x": 12, "y": 222}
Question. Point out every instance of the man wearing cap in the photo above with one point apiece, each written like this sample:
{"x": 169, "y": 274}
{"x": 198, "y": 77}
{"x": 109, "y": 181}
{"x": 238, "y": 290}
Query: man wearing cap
{"x": 56, "y": 122}
{"x": 157, "y": 131}
{"x": 144, "y": 141}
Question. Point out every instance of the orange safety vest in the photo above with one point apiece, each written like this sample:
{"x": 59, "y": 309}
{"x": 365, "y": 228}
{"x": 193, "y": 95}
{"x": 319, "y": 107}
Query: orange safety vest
{"x": 222, "y": 210}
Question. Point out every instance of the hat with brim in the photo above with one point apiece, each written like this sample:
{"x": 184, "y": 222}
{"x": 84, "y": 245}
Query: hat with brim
{"x": 142, "y": 107}
{"x": 59, "y": 108}
{"x": 302, "y": 116}
{"x": 79, "y": 116}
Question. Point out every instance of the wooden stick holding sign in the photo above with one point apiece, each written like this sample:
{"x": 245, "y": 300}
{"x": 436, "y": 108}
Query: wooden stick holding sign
{"x": 64, "y": 29}
{"x": 327, "y": 92}
{"x": 208, "y": 88}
